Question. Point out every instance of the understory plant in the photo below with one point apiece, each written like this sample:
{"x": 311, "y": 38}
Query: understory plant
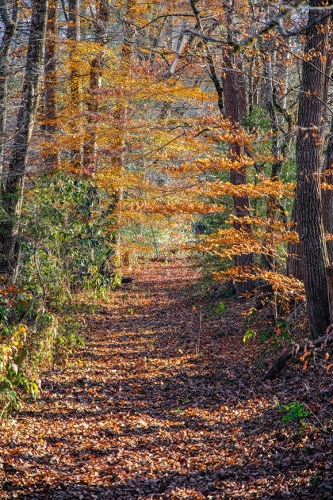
{"x": 66, "y": 251}
{"x": 68, "y": 237}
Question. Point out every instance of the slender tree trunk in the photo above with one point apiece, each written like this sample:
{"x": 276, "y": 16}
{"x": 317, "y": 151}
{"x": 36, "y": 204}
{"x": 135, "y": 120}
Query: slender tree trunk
{"x": 309, "y": 161}
{"x": 327, "y": 194}
{"x": 74, "y": 34}
{"x": 95, "y": 83}
{"x": 294, "y": 262}
{"x": 10, "y": 24}
{"x": 235, "y": 106}
{"x": 272, "y": 203}
{"x": 278, "y": 147}
{"x": 120, "y": 116}
{"x": 50, "y": 84}
{"x": 13, "y": 191}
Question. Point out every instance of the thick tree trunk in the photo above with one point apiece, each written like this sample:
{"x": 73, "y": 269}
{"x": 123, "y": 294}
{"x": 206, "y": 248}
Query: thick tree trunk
{"x": 10, "y": 24}
{"x": 309, "y": 161}
{"x": 13, "y": 191}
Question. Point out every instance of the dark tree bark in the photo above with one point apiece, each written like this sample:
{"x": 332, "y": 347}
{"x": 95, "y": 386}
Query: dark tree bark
{"x": 232, "y": 103}
{"x": 268, "y": 259}
{"x": 10, "y": 23}
{"x": 12, "y": 196}
{"x": 309, "y": 161}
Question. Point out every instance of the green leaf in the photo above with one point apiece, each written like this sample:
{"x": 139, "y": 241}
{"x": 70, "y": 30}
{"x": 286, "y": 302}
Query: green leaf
{"x": 249, "y": 335}
{"x": 221, "y": 309}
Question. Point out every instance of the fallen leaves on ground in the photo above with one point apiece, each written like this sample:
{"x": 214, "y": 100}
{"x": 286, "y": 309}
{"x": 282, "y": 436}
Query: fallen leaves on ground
{"x": 166, "y": 402}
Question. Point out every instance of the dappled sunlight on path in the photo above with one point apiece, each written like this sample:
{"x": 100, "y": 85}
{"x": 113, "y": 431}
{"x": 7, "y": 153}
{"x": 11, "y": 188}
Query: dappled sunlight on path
{"x": 164, "y": 402}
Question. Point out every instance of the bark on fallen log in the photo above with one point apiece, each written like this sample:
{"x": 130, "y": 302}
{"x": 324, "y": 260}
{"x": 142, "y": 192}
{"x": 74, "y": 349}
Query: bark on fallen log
{"x": 298, "y": 350}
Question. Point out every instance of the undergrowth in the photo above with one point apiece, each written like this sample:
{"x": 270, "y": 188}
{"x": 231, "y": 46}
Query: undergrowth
{"x": 66, "y": 263}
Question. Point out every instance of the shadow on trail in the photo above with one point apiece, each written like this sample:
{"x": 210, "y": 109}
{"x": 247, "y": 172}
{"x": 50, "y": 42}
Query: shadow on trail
{"x": 209, "y": 483}
{"x": 154, "y": 419}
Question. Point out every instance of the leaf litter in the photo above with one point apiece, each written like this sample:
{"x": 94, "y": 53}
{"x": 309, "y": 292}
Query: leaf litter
{"x": 167, "y": 402}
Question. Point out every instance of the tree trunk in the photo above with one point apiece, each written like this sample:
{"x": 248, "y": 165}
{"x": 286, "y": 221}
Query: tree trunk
{"x": 294, "y": 263}
{"x": 74, "y": 34}
{"x": 268, "y": 259}
{"x": 50, "y": 85}
{"x": 10, "y": 24}
{"x": 309, "y": 160}
{"x": 327, "y": 194}
{"x": 235, "y": 106}
{"x": 90, "y": 140}
{"x": 121, "y": 116}
{"x": 13, "y": 191}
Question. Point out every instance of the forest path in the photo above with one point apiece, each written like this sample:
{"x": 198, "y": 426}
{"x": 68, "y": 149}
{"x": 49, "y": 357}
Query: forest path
{"x": 163, "y": 403}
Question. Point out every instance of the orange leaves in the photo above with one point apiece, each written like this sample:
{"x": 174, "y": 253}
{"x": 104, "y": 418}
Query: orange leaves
{"x": 232, "y": 241}
{"x": 305, "y": 355}
{"x": 285, "y": 286}
{"x": 265, "y": 188}
{"x": 180, "y": 208}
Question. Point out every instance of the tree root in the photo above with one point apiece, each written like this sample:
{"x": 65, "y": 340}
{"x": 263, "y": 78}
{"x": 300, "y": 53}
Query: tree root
{"x": 298, "y": 349}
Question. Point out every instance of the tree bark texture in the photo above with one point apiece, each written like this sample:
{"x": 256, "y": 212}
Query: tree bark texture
{"x": 309, "y": 159}
{"x": 50, "y": 84}
{"x": 12, "y": 197}
{"x": 10, "y": 23}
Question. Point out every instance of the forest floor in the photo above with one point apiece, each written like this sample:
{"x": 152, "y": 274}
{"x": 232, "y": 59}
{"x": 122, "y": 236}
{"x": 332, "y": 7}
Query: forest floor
{"x": 166, "y": 401}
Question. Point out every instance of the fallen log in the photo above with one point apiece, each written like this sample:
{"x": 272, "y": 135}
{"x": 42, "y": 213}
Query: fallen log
{"x": 299, "y": 349}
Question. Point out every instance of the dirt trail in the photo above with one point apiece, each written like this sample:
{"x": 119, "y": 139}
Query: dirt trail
{"x": 163, "y": 403}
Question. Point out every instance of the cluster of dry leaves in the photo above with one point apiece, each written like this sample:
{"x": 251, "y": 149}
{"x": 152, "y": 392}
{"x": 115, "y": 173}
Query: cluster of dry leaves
{"x": 166, "y": 402}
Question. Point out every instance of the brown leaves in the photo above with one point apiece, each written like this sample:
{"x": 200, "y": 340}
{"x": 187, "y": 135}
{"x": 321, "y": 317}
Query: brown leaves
{"x": 147, "y": 413}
